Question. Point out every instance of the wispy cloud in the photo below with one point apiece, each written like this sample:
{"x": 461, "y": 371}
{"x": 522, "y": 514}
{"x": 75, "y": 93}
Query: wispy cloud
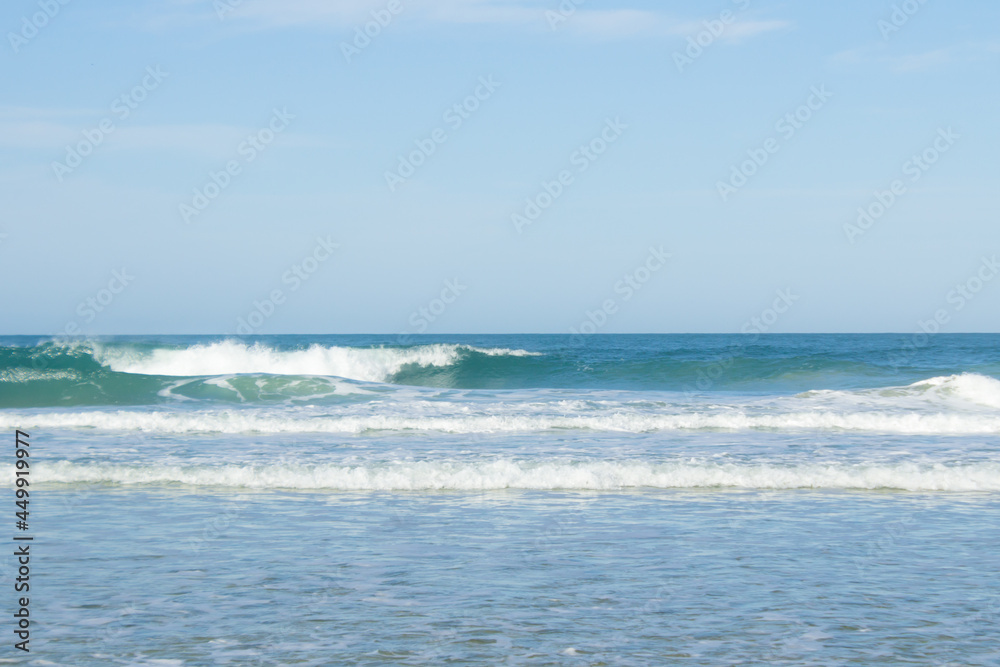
{"x": 8, "y": 111}
{"x": 50, "y": 131}
{"x": 934, "y": 59}
{"x": 341, "y": 15}
{"x": 745, "y": 29}
{"x": 50, "y": 140}
{"x": 618, "y": 23}
{"x": 622, "y": 23}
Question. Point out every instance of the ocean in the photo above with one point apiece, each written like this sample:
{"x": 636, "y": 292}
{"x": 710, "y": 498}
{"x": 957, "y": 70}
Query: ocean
{"x": 509, "y": 499}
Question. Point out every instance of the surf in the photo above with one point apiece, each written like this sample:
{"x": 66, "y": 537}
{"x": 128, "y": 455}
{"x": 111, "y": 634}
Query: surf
{"x": 524, "y": 474}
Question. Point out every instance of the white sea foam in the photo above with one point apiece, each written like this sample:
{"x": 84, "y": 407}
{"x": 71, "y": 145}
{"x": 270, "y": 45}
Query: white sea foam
{"x": 500, "y": 351}
{"x": 520, "y": 474}
{"x": 946, "y": 391}
{"x": 971, "y": 387}
{"x": 263, "y": 421}
{"x": 229, "y": 357}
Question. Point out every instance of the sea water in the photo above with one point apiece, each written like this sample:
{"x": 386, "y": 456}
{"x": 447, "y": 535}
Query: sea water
{"x": 510, "y": 499}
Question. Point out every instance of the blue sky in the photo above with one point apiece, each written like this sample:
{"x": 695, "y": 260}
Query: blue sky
{"x": 612, "y": 97}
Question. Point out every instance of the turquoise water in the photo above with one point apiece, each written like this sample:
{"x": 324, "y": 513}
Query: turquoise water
{"x": 603, "y": 500}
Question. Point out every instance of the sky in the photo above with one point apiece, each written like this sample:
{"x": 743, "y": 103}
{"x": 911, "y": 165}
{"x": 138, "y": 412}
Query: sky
{"x": 498, "y": 166}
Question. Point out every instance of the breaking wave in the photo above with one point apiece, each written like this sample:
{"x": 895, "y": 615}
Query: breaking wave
{"x": 514, "y": 419}
{"x": 542, "y": 475}
{"x": 366, "y": 364}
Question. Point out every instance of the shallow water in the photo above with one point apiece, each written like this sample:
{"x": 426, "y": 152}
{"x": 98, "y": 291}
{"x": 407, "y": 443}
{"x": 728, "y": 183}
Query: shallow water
{"x": 518, "y": 577}
{"x": 626, "y": 500}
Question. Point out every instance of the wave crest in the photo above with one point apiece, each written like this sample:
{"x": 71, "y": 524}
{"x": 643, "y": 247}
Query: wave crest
{"x": 541, "y": 475}
{"x": 230, "y": 357}
{"x": 971, "y": 387}
{"x": 268, "y": 422}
